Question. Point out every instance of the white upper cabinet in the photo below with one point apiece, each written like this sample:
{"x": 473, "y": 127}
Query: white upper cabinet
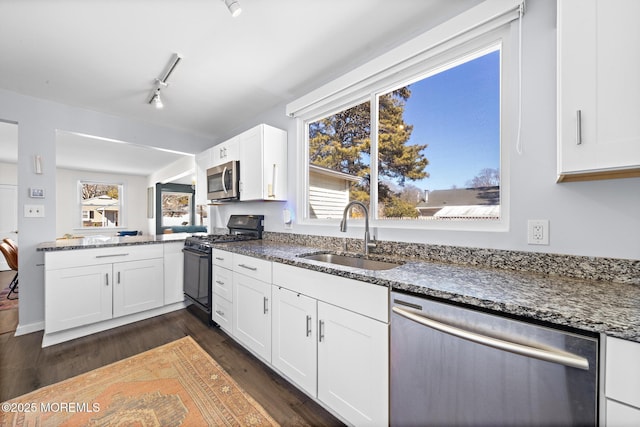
{"x": 598, "y": 89}
{"x": 226, "y": 152}
{"x": 263, "y": 164}
{"x": 204, "y": 161}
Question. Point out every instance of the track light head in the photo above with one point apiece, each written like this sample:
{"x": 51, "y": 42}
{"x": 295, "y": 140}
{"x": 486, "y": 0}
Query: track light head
{"x": 157, "y": 101}
{"x": 234, "y": 7}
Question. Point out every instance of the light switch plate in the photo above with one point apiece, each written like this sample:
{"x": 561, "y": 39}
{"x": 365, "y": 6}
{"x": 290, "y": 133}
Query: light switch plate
{"x": 34, "y": 211}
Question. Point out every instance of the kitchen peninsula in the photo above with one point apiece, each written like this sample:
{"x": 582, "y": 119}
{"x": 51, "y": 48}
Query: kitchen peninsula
{"x": 97, "y": 283}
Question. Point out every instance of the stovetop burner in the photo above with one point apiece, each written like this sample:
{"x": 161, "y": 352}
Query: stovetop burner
{"x": 241, "y": 228}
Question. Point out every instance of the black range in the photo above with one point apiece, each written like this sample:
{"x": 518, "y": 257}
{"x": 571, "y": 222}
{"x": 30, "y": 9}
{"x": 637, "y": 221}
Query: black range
{"x": 197, "y": 256}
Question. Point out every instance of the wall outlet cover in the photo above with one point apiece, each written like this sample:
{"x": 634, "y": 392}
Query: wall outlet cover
{"x": 538, "y": 232}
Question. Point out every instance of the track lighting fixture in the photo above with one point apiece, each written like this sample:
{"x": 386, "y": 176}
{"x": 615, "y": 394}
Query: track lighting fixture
{"x": 161, "y": 82}
{"x": 234, "y": 7}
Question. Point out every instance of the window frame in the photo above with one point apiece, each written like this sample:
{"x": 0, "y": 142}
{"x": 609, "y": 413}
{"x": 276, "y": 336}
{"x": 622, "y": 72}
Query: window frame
{"x": 501, "y": 37}
{"x": 121, "y": 205}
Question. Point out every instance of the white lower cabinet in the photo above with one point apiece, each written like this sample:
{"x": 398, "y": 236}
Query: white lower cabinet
{"x": 222, "y": 287}
{"x": 294, "y": 339}
{"x": 78, "y": 296}
{"x": 173, "y": 272}
{"x": 87, "y": 286}
{"x": 353, "y": 362}
{"x": 252, "y": 314}
{"x": 349, "y": 349}
{"x": 326, "y": 334}
{"x": 138, "y": 286}
{"x": 622, "y": 382}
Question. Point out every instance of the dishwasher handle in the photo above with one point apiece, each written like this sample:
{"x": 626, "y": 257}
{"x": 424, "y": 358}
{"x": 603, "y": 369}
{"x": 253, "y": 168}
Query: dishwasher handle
{"x": 562, "y": 358}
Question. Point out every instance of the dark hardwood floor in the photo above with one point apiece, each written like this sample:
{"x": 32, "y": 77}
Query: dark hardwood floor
{"x": 25, "y": 366}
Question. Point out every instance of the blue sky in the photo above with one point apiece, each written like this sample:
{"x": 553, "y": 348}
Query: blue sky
{"x": 457, "y": 114}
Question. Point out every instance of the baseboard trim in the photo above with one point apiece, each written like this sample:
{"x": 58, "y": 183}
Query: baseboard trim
{"x": 70, "y": 334}
{"x": 29, "y": 328}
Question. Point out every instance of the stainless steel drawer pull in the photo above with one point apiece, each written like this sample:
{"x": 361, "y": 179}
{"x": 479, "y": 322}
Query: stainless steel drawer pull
{"x": 556, "y": 356}
{"x": 109, "y": 256}
{"x": 266, "y": 305}
{"x": 308, "y": 325}
{"x": 118, "y": 277}
{"x": 248, "y": 267}
{"x": 320, "y": 330}
{"x": 106, "y": 277}
{"x": 220, "y": 313}
{"x": 579, "y": 127}
{"x": 219, "y": 258}
{"x": 220, "y": 282}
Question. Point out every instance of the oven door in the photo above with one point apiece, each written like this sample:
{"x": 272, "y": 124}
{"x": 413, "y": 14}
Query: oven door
{"x": 197, "y": 278}
{"x": 223, "y": 181}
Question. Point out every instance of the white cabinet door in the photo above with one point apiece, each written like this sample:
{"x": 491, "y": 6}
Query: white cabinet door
{"x": 252, "y": 314}
{"x": 138, "y": 286}
{"x": 294, "y": 342}
{"x": 622, "y": 375}
{"x": 598, "y": 73}
{"x": 263, "y": 164}
{"x": 203, "y": 162}
{"x": 173, "y": 272}
{"x": 353, "y": 365}
{"x": 619, "y": 415}
{"x": 77, "y": 296}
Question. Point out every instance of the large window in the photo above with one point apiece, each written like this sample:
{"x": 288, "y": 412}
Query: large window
{"x": 436, "y": 140}
{"x": 100, "y": 204}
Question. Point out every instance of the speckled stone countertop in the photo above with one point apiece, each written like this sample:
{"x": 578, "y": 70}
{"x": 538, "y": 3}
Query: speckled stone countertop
{"x": 107, "y": 241}
{"x": 588, "y": 305}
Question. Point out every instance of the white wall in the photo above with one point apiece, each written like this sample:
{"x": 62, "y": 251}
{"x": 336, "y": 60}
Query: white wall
{"x": 38, "y": 121}
{"x": 134, "y": 216}
{"x": 597, "y": 218}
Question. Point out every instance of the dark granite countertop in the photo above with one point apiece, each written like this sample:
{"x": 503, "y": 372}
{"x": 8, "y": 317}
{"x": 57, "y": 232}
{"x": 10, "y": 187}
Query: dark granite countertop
{"x": 107, "y": 241}
{"x": 588, "y": 305}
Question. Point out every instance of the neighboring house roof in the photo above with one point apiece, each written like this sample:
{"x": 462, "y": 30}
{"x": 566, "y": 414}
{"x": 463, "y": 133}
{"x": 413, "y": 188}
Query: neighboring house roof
{"x": 330, "y": 172}
{"x": 100, "y": 202}
{"x": 462, "y": 202}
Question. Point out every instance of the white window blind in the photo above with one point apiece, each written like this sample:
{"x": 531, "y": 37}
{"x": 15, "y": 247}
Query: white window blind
{"x": 356, "y": 84}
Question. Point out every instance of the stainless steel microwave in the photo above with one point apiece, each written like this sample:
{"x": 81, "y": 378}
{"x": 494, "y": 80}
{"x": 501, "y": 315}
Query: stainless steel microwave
{"x": 223, "y": 181}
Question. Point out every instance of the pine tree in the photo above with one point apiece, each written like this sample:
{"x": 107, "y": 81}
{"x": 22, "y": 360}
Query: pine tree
{"x": 342, "y": 142}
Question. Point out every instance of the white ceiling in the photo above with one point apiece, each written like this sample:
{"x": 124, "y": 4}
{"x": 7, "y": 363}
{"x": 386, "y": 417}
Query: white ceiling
{"x": 104, "y": 55}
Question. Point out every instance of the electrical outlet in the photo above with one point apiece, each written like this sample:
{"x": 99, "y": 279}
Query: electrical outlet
{"x": 33, "y": 211}
{"x": 538, "y": 232}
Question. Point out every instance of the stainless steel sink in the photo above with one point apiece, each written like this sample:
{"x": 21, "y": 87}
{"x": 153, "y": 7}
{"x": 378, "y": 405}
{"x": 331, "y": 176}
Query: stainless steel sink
{"x": 352, "y": 261}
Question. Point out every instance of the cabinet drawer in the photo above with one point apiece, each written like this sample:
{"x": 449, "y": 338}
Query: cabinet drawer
{"x": 96, "y": 256}
{"x": 253, "y": 267}
{"x": 360, "y": 297}
{"x": 222, "y": 258}
{"x": 623, "y": 371}
{"x": 222, "y": 314}
{"x": 223, "y": 283}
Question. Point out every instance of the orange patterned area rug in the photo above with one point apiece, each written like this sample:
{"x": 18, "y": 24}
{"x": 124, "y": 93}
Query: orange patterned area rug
{"x": 177, "y": 384}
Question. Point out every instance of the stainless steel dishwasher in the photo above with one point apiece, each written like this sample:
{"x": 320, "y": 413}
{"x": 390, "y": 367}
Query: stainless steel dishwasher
{"x": 452, "y": 366}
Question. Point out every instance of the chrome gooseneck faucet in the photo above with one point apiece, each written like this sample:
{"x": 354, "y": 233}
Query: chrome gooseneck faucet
{"x": 368, "y": 243}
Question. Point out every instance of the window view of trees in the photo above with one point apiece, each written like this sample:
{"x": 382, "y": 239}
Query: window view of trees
{"x": 438, "y": 149}
{"x": 176, "y": 209}
{"x": 100, "y": 204}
